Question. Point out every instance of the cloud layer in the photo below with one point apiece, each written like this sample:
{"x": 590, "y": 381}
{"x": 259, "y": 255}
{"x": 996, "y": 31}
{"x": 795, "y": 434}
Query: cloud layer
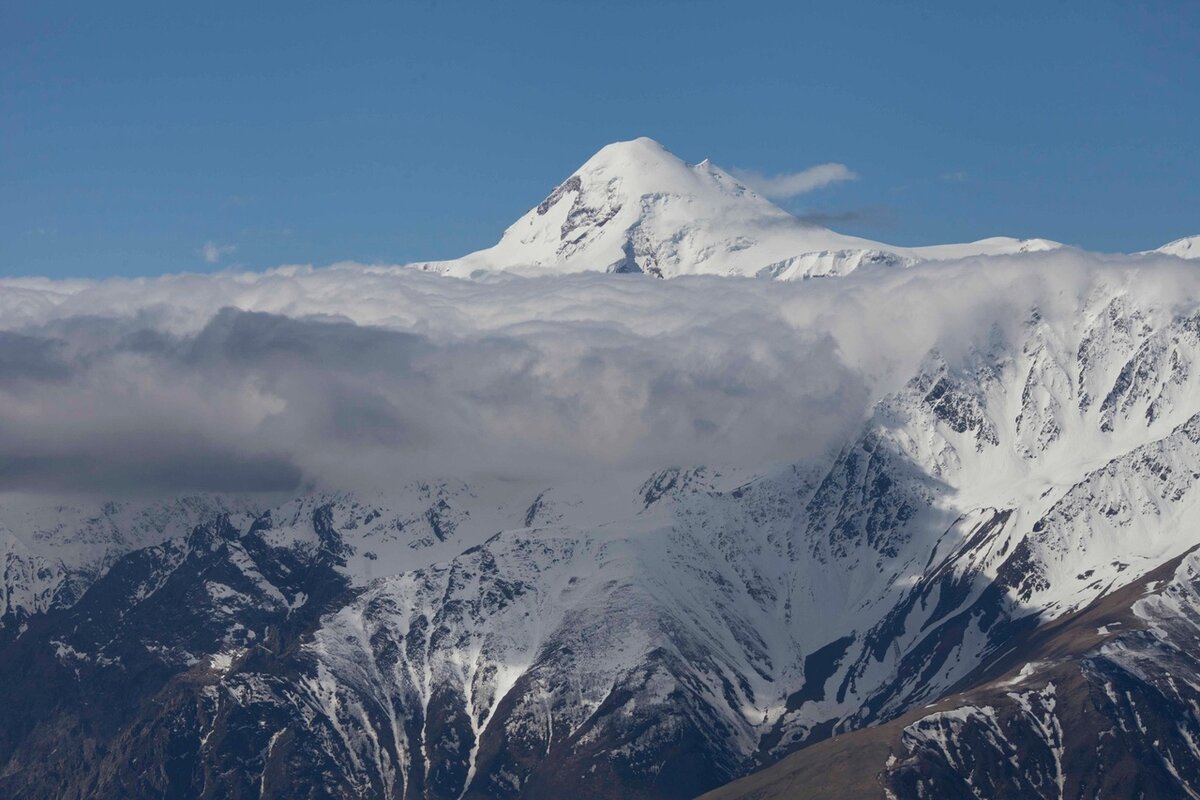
{"x": 792, "y": 184}
{"x": 356, "y": 376}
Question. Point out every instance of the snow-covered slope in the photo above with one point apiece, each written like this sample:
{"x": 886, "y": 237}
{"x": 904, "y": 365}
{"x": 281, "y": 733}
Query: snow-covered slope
{"x": 1101, "y": 703}
{"x": 1004, "y": 500}
{"x": 636, "y": 207}
{"x": 1187, "y": 247}
{"x": 652, "y": 636}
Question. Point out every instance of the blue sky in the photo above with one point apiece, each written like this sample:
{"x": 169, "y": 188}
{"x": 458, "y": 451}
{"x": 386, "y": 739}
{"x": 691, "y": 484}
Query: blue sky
{"x": 133, "y": 134}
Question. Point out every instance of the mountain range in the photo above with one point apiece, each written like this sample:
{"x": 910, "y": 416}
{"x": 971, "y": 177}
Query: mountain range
{"x": 988, "y": 585}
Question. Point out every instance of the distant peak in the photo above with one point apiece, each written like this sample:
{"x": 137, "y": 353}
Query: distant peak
{"x": 638, "y": 152}
{"x": 640, "y": 143}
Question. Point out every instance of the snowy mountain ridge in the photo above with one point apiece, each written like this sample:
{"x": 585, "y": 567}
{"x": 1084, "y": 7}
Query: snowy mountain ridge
{"x": 1187, "y": 247}
{"x": 958, "y": 557}
{"x": 655, "y": 636}
{"x": 636, "y": 207}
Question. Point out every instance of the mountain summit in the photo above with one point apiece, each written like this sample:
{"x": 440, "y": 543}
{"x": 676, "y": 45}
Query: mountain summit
{"x": 636, "y": 207}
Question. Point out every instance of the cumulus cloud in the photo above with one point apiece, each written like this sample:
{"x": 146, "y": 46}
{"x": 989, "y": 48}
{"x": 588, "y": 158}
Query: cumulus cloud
{"x": 793, "y": 184}
{"x": 212, "y": 252}
{"x": 355, "y": 376}
{"x": 256, "y": 401}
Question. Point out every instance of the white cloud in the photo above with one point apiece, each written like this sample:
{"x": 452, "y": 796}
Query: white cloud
{"x": 356, "y": 376}
{"x": 212, "y": 252}
{"x": 791, "y": 184}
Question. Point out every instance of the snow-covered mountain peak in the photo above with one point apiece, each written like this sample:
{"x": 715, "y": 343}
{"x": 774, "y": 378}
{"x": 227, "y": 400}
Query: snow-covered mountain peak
{"x": 636, "y": 207}
{"x": 646, "y": 165}
{"x": 644, "y": 171}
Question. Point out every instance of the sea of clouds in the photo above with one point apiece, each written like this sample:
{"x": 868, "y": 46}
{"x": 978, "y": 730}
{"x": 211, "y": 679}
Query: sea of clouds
{"x": 359, "y": 376}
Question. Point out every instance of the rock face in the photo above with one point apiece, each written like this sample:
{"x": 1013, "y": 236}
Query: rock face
{"x": 990, "y": 589}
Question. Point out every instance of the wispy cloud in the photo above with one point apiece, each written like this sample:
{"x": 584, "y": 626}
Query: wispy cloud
{"x": 212, "y": 252}
{"x": 958, "y": 176}
{"x": 791, "y": 184}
